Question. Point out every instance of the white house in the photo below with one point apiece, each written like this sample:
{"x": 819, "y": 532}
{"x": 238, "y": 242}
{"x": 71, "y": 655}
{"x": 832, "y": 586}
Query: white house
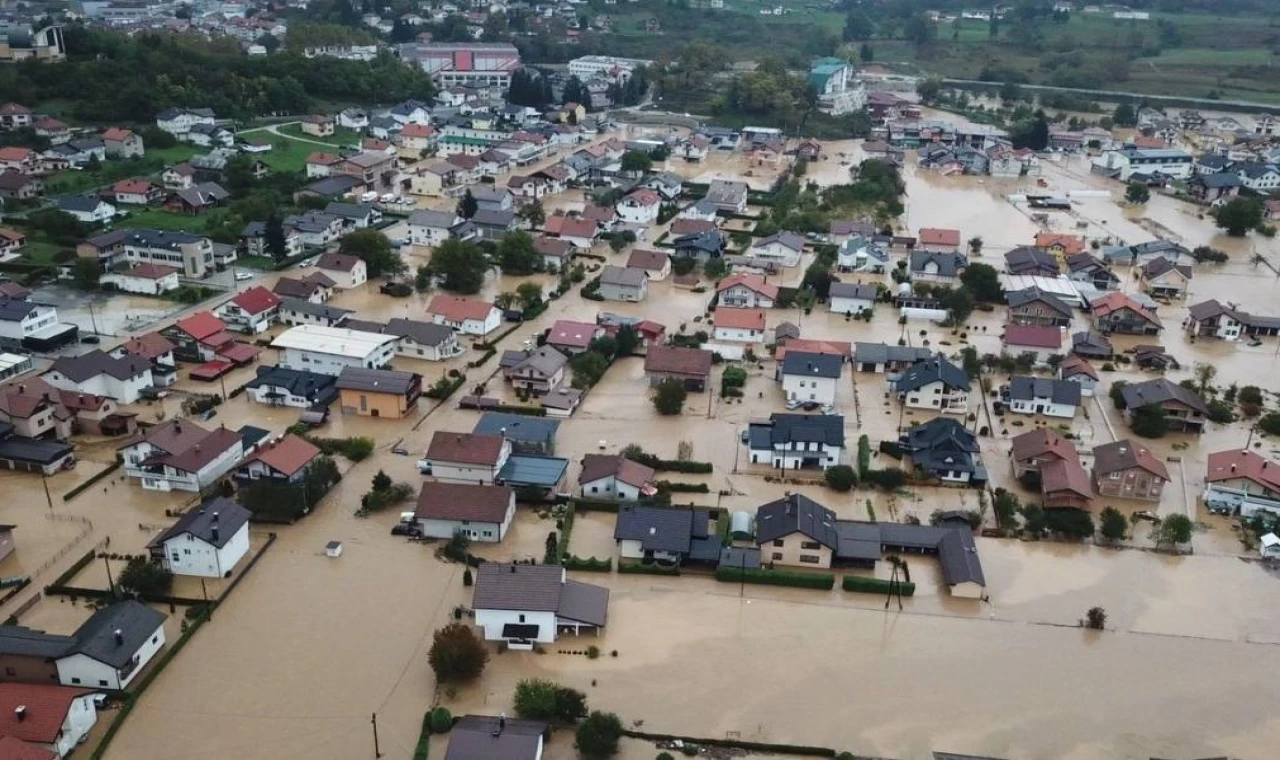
{"x": 797, "y": 441}
{"x": 739, "y": 325}
{"x": 809, "y": 377}
{"x": 430, "y": 228}
{"x": 1043, "y": 395}
{"x": 317, "y": 348}
{"x": 251, "y": 312}
{"x": 465, "y": 457}
{"x": 101, "y": 374}
{"x": 147, "y": 279}
{"x": 527, "y": 604}
{"x": 179, "y": 121}
{"x": 640, "y": 206}
{"x": 466, "y": 315}
{"x": 113, "y": 646}
{"x": 39, "y": 720}
{"x": 89, "y": 209}
{"x": 423, "y": 340}
{"x": 852, "y": 297}
{"x": 181, "y": 456}
{"x": 207, "y": 541}
{"x": 934, "y": 384}
{"x": 783, "y": 249}
{"x": 480, "y": 512}
{"x": 746, "y": 291}
{"x": 615, "y": 478}
{"x": 277, "y": 386}
{"x": 34, "y": 326}
{"x": 1269, "y": 546}
{"x": 1124, "y": 163}
{"x": 345, "y": 270}
{"x": 1078, "y": 370}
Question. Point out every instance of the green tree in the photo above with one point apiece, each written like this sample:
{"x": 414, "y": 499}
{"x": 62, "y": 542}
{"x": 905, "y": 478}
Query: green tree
{"x": 1034, "y": 520}
{"x": 1125, "y": 115}
{"x": 1251, "y": 401}
{"x": 441, "y": 719}
{"x": 920, "y": 30}
{"x": 539, "y": 699}
{"x": 374, "y": 249}
{"x": 86, "y": 273}
{"x": 1137, "y": 193}
{"x": 588, "y": 367}
{"x": 669, "y": 397}
{"x": 983, "y": 281}
{"x": 529, "y": 295}
{"x": 975, "y": 245}
{"x": 143, "y": 577}
{"x": 1006, "y": 508}
{"x": 929, "y": 89}
{"x": 533, "y": 213}
{"x": 457, "y": 654}
{"x": 597, "y": 736}
{"x": 1239, "y": 215}
{"x": 866, "y": 54}
{"x": 468, "y": 205}
{"x": 1204, "y": 373}
{"x": 274, "y": 240}
{"x": 959, "y": 301}
{"x": 460, "y": 266}
{"x": 1114, "y": 526}
{"x": 381, "y": 481}
{"x": 1174, "y": 529}
{"x": 858, "y": 26}
{"x": 576, "y": 92}
{"x": 1070, "y": 523}
{"x": 841, "y": 477}
{"x": 516, "y": 254}
{"x": 422, "y": 278}
{"x": 1150, "y": 421}
{"x": 636, "y": 162}
{"x": 1117, "y": 394}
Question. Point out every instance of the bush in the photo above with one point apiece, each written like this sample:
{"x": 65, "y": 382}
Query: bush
{"x": 355, "y": 449}
{"x": 539, "y": 699}
{"x": 441, "y": 720}
{"x": 637, "y": 454}
{"x": 670, "y": 396}
{"x": 1096, "y": 619}
{"x": 1270, "y": 423}
{"x": 1070, "y": 523}
{"x": 143, "y": 577}
{"x": 637, "y": 568}
{"x": 864, "y": 456}
{"x": 586, "y": 564}
{"x": 597, "y": 737}
{"x": 841, "y": 477}
{"x": 862, "y": 584}
{"x": 775, "y": 577}
{"x": 457, "y": 654}
{"x": 671, "y": 487}
{"x": 888, "y": 479}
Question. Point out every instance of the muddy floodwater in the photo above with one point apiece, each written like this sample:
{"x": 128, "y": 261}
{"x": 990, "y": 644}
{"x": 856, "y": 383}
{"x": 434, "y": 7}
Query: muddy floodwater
{"x": 308, "y": 647}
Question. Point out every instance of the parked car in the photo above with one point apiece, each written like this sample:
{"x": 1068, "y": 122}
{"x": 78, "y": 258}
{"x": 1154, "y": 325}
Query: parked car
{"x": 242, "y": 276}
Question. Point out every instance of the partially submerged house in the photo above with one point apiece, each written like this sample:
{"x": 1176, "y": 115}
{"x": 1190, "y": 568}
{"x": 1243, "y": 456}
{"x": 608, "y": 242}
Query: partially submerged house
{"x": 1183, "y": 408}
{"x": 207, "y": 541}
{"x": 480, "y": 512}
{"x": 523, "y": 605}
{"x": 669, "y": 535}
{"x": 1128, "y": 470}
{"x": 615, "y": 478}
{"x": 934, "y": 384}
{"x": 797, "y": 441}
{"x": 945, "y": 449}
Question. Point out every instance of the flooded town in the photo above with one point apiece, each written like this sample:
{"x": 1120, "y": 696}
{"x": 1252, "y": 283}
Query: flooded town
{"x": 754, "y": 445}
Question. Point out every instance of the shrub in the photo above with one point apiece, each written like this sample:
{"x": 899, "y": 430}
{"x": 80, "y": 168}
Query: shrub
{"x": 864, "y": 456}
{"x": 587, "y": 564}
{"x": 597, "y": 737}
{"x": 642, "y": 569}
{"x": 1096, "y": 619}
{"x": 142, "y": 577}
{"x": 593, "y": 652}
{"x": 539, "y": 699}
{"x": 355, "y": 449}
{"x": 862, "y": 584}
{"x": 670, "y": 396}
{"x": 775, "y": 577}
{"x": 441, "y": 720}
{"x": 841, "y": 477}
{"x": 467, "y": 578}
{"x": 888, "y": 479}
{"x": 1270, "y": 423}
{"x": 457, "y": 654}
{"x": 673, "y": 487}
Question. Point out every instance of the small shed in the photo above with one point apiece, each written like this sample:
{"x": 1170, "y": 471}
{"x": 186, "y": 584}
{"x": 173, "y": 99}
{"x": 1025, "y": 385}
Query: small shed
{"x": 740, "y": 526}
{"x": 333, "y": 549}
{"x": 1270, "y": 548}
{"x": 737, "y": 557}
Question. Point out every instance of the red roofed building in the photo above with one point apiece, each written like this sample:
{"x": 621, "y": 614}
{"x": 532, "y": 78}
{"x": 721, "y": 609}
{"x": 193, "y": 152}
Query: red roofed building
{"x": 287, "y": 460}
{"x": 1116, "y": 312}
{"x": 581, "y": 233}
{"x": 691, "y": 366}
{"x": 571, "y": 337}
{"x": 482, "y": 513}
{"x": 148, "y": 279}
{"x": 466, "y": 315}
{"x": 416, "y": 138}
{"x": 123, "y": 143}
{"x": 137, "y": 192}
{"x": 18, "y": 158}
{"x": 616, "y": 478}
{"x": 45, "y": 717}
{"x": 739, "y": 325}
{"x": 198, "y": 337}
{"x": 1040, "y": 341}
{"x": 251, "y": 312}
{"x": 465, "y": 457}
{"x": 320, "y": 164}
{"x": 1240, "y": 481}
{"x": 810, "y": 346}
{"x": 1064, "y": 484}
{"x": 640, "y": 206}
{"x": 938, "y": 239}
{"x": 1060, "y": 244}
{"x": 682, "y": 227}
{"x": 747, "y": 291}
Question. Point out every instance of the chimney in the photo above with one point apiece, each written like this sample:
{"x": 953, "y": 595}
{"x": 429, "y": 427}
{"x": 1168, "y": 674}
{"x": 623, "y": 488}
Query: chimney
{"x": 1233, "y": 467}
{"x": 20, "y": 712}
{"x": 513, "y": 569}
{"x": 119, "y": 634}
{"x": 215, "y": 518}
{"x": 213, "y": 530}
{"x": 22, "y": 389}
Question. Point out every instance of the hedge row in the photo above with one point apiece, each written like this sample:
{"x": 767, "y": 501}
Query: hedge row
{"x": 485, "y": 357}
{"x": 586, "y": 564}
{"x": 676, "y": 487}
{"x": 527, "y": 411}
{"x": 775, "y": 577}
{"x": 670, "y": 465}
{"x": 590, "y": 505}
{"x": 74, "y": 492}
{"x": 642, "y": 569}
{"x": 424, "y": 738}
{"x": 71, "y": 572}
{"x": 863, "y": 584}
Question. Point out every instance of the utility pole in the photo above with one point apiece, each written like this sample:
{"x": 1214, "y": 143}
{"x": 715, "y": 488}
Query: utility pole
{"x": 208, "y": 611}
{"x": 110, "y": 583}
{"x": 44, "y": 481}
{"x": 376, "y": 751}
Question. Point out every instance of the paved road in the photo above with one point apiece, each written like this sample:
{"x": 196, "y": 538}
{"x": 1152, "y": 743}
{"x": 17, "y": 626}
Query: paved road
{"x": 275, "y": 130}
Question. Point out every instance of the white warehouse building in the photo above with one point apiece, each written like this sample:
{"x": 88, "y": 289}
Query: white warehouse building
{"x": 327, "y": 350}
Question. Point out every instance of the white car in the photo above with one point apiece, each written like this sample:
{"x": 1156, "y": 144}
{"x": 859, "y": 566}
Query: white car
{"x": 242, "y": 276}
{"x": 369, "y": 197}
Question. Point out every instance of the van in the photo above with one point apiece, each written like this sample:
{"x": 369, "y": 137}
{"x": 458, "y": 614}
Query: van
{"x": 369, "y": 197}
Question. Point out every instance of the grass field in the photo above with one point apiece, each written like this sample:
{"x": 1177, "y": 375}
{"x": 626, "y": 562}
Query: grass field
{"x": 159, "y": 219}
{"x": 286, "y": 155}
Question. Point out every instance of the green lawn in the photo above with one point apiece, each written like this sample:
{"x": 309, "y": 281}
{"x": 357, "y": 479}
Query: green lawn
{"x": 340, "y": 138}
{"x": 159, "y": 219}
{"x": 175, "y": 155}
{"x": 39, "y": 251}
{"x": 286, "y": 155}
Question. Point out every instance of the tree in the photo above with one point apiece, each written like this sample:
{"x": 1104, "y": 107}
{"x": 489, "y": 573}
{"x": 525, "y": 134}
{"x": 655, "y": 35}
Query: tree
{"x": 422, "y": 278}
{"x": 588, "y": 367}
{"x": 1204, "y": 373}
{"x": 841, "y": 477}
{"x": 145, "y": 578}
{"x": 460, "y": 265}
{"x": 1117, "y": 394}
{"x": 1250, "y": 399}
{"x": 1010, "y": 92}
{"x": 381, "y": 481}
{"x": 1137, "y": 193}
{"x": 529, "y": 294}
{"x": 576, "y": 92}
{"x": 1150, "y": 421}
{"x": 1204, "y": 254}
{"x": 866, "y": 54}
{"x": 1239, "y": 215}
{"x": 1033, "y": 134}
{"x": 919, "y": 29}
{"x": 858, "y": 26}
{"x": 670, "y": 397}
{"x": 1270, "y": 423}
{"x": 533, "y": 213}
{"x": 87, "y": 273}
{"x": 457, "y": 654}
{"x": 1034, "y": 520}
{"x": 441, "y": 719}
{"x": 1006, "y": 508}
{"x": 468, "y": 205}
{"x": 1125, "y": 116}
{"x": 274, "y": 240}
{"x": 929, "y": 89}
{"x": 1114, "y": 526}
{"x": 1174, "y": 529}
{"x": 959, "y": 301}
{"x": 597, "y": 736}
{"x": 716, "y": 268}
{"x": 516, "y": 254}
{"x": 374, "y": 249}
{"x": 983, "y": 281}
{"x": 636, "y": 162}
{"x": 1095, "y": 619}
{"x": 975, "y": 245}
{"x": 1070, "y": 523}
{"x": 539, "y": 699}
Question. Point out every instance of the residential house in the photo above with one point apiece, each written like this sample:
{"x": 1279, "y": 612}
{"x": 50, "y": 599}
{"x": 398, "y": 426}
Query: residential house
{"x": 538, "y": 371}
{"x": 729, "y": 197}
{"x": 656, "y": 265}
{"x": 136, "y": 192}
{"x": 33, "y": 326}
{"x": 796, "y": 441}
{"x": 89, "y": 209}
{"x": 1060, "y": 244}
{"x": 330, "y": 350}
{"x": 101, "y": 374}
{"x": 16, "y": 116}
{"x": 147, "y": 279}
{"x": 251, "y": 312}
{"x": 945, "y": 449}
{"x": 746, "y": 291}
{"x": 524, "y": 605}
{"x": 691, "y": 366}
{"x": 810, "y": 377}
{"x": 465, "y": 457}
{"x": 623, "y": 284}
{"x": 18, "y": 159}
{"x": 1184, "y": 409}
{"x": 1164, "y": 279}
{"x": 693, "y": 149}
{"x": 615, "y": 478}
{"x": 796, "y": 531}
{"x": 1211, "y": 319}
{"x": 1128, "y": 470}
{"x": 295, "y": 312}
{"x": 1044, "y": 395}
{"x": 1258, "y": 177}
{"x": 466, "y": 315}
{"x": 417, "y": 139}
{"x": 782, "y": 249}
{"x": 315, "y": 287}
{"x": 571, "y": 338}
{"x": 197, "y": 199}
{"x": 346, "y": 271}
{"x": 123, "y": 143}
{"x": 378, "y": 392}
{"x": 1091, "y": 345}
{"x": 374, "y": 171}
{"x": 935, "y": 384}
{"x": 700, "y": 246}
{"x": 484, "y": 737}
{"x": 156, "y": 349}
{"x": 112, "y": 647}
{"x": 418, "y": 339}
{"x": 1239, "y": 481}
{"x": 178, "y": 177}
{"x": 738, "y": 325}
{"x": 181, "y": 456}
{"x": 287, "y": 459}
{"x": 941, "y": 267}
{"x": 1039, "y": 341}
{"x": 207, "y": 541}
{"x": 1078, "y": 370}
{"x": 1064, "y": 484}
{"x": 640, "y": 206}
{"x": 354, "y": 216}
{"x": 1031, "y": 451}
{"x": 430, "y": 228}
{"x": 280, "y": 386}
{"x": 1028, "y": 260}
{"x": 482, "y": 513}
{"x": 1089, "y": 269}
{"x": 194, "y": 253}
{"x": 180, "y": 121}
{"x": 852, "y": 298}
{"x": 1123, "y": 164}
{"x": 317, "y": 125}
{"x": 581, "y": 233}
{"x": 1214, "y": 189}
{"x": 938, "y": 240}
{"x": 321, "y": 164}
{"x": 883, "y": 358}
{"x": 41, "y": 721}
{"x": 668, "y": 535}
{"x": 860, "y": 254}
{"x": 494, "y": 224}
{"x": 666, "y": 184}
{"x": 1117, "y": 312}
{"x": 35, "y": 409}
{"x": 1035, "y": 307}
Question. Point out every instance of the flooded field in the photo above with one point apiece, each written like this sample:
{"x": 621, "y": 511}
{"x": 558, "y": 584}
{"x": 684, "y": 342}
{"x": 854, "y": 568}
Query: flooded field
{"x": 308, "y": 647}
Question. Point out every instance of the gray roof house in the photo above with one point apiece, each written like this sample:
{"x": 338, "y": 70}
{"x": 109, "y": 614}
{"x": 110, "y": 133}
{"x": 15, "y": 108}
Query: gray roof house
{"x": 882, "y": 357}
{"x": 944, "y": 448}
{"x": 796, "y": 513}
{"x": 1031, "y": 260}
{"x": 529, "y": 435}
{"x": 730, "y": 197}
{"x": 935, "y": 266}
{"x": 502, "y": 591}
{"x": 931, "y": 371}
{"x": 806, "y": 364}
{"x": 485, "y": 737}
{"x": 623, "y": 284}
{"x": 666, "y": 533}
{"x": 1035, "y": 391}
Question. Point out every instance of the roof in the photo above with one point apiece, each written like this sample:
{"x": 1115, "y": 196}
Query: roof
{"x": 338, "y": 262}
{"x": 201, "y": 325}
{"x": 785, "y": 239}
{"x": 1160, "y": 266}
{"x": 1065, "y": 475}
{"x": 881, "y": 353}
{"x": 204, "y": 451}
{"x": 796, "y": 513}
{"x": 623, "y": 277}
{"x": 136, "y": 623}
{"x": 747, "y": 319}
{"x": 548, "y": 246}
{"x": 26, "y": 642}
{"x": 46, "y": 707}
{"x": 85, "y": 203}
{"x": 533, "y": 470}
{"x": 1070, "y": 244}
{"x": 452, "y": 501}
{"x": 545, "y": 360}
{"x": 1032, "y": 294}
{"x": 859, "y": 290}
{"x": 753, "y": 282}
{"x": 322, "y": 310}
{"x": 675, "y": 360}
{"x": 422, "y": 333}
{"x": 297, "y": 382}
{"x": 518, "y": 428}
{"x": 1025, "y": 259}
{"x": 256, "y": 300}
{"x": 1159, "y": 391}
{"x": 948, "y": 264}
{"x": 465, "y": 448}
{"x": 433, "y": 219}
{"x": 1073, "y": 366}
{"x": 79, "y": 369}
{"x": 149, "y": 271}
{"x": 538, "y": 588}
{"x": 786, "y": 337}
{"x": 647, "y": 260}
{"x": 805, "y": 364}
{"x": 681, "y": 227}
{"x": 484, "y": 737}
{"x": 1039, "y": 443}
{"x": 661, "y": 529}
{"x": 220, "y": 516}
{"x": 644, "y": 197}
{"x": 304, "y": 287}
{"x": 1242, "y": 463}
{"x": 170, "y": 437}
{"x": 1025, "y": 388}
{"x": 458, "y": 309}
{"x": 566, "y": 332}
{"x": 1122, "y": 455}
{"x": 13, "y": 748}
{"x": 287, "y": 455}
{"x": 598, "y": 466}
{"x": 378, "y": 380}
{"x": 1115, "y": 301}
{"x": 331, "y": 340}
{"x": 1039, "y": 336}
{"x": 783, "y": 428}
{"x": 943, "y": 444}
{"x": 939, "y": 237}
{"x": 929, "y": 371}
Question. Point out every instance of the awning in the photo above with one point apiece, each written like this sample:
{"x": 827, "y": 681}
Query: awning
{"x": 220, "y": 338}
{"x": 211, "y": 370}
{"x": 239, "y": 353}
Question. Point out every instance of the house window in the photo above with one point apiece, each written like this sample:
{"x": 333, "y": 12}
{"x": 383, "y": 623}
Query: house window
{"x": 780, "y": 542}
{"x": 186, "y": 551}
{"x": 811, "y": 559}
{"x": 75, "y": 680}
{"x": 1114, "y": 476}
{"x": 177, "y": 557}
{"x": 102, "y": 682}
{"x": 522, "y": 618}
{"x": 777, "y": 556}
{"x": 155, "y": 639}
{"x": 809, "y": 544}
{"x": 10, "y": 672}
